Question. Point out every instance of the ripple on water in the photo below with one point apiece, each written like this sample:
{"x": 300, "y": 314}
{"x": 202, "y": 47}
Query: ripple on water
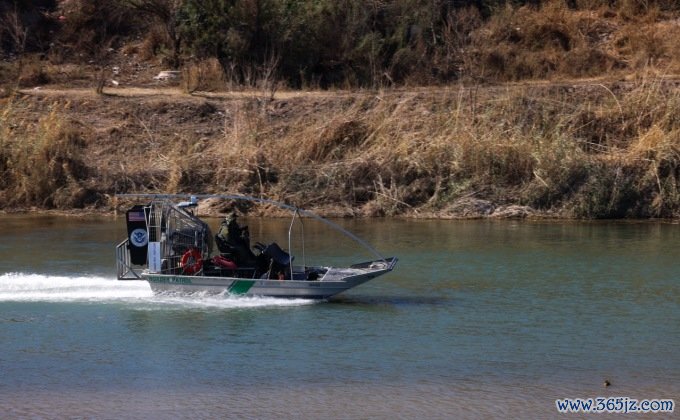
{"x": 425, "y": 399}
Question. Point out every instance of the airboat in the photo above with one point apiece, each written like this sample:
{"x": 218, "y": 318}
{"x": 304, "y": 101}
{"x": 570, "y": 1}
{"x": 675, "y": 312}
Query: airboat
{"x": 173, "y": 250}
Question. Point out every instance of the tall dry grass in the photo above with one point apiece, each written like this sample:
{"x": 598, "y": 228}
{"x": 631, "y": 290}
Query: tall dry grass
{"x": 554, "y": 41}
{"x": 601, "y": 152}
{"x": 588, "y": 151}
{"x": 206, "y": 76}
{"x": 42, "y": 163}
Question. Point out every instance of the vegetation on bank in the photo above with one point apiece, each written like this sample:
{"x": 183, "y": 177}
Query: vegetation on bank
{"x": 424, "y": 116}
{"x": 591, "y": 151}
{"x": 340, "y": 44}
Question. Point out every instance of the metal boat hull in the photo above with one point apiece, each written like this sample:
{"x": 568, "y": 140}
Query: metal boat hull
{"x": 172, "y": 249}
{"x": 335, "y": 281}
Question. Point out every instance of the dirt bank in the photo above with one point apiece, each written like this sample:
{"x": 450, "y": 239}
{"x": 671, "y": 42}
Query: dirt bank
{"x": 587, "y": 149}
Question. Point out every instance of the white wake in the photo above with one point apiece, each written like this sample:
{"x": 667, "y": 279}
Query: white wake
{"x": 22, "y": 287}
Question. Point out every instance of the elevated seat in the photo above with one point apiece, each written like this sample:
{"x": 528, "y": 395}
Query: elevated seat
{"x": 239, "y": 252}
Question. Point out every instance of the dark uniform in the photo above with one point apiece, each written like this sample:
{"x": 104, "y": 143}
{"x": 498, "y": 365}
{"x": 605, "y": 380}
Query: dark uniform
{"x": 230, "y": 232}
{"x": 235, "y": 240}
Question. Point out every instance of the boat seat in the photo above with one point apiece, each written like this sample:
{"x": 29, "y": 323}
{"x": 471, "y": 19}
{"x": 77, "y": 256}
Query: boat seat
{"x": 239, "y": 252}
{"x": 278, "y": 255}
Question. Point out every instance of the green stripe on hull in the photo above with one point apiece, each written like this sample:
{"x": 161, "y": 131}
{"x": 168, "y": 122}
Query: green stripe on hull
{"x": 241, "y": 287}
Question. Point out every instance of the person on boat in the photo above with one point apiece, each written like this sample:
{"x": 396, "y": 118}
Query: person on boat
{"x": 235, "y": 240}
{"x": 230, "y": 232}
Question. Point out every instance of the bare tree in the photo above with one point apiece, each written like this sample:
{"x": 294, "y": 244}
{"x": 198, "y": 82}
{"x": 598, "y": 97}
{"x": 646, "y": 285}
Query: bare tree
{"x": 164, "y": 12}
{"x": 18, "y": 34}
{"x": 268, "y": 82}
{"x": 15, "y": 29}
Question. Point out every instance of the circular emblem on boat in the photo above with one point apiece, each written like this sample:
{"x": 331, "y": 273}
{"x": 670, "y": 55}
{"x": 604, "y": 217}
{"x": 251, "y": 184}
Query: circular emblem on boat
{"x": 138, "y": 237}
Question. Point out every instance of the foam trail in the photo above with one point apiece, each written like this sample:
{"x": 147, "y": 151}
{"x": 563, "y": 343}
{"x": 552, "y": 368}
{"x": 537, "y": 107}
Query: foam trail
{"x": 219, "y": 302}
{"x": 40, "y": 287}
{"x": 21, "y": 287}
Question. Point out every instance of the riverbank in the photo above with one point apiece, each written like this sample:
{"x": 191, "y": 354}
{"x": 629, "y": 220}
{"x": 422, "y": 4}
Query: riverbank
{"x": 577, "y": 149}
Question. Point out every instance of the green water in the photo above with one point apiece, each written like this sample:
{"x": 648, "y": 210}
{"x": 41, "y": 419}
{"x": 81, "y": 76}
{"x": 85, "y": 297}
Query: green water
{"x": 480, "y": 319}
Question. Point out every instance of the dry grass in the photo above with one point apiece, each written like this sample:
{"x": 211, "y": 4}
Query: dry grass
{"x": 206, "y": 76}
{"x": 42, "y": 163}
{"x": 553, "y": 41}
{"x": 592, "y": 154}
{"x": 608, "y": 146}
{"x": 589, "y": 151}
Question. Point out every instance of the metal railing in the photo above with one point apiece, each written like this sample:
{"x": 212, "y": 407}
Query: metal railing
{"x": 124, "y": 268}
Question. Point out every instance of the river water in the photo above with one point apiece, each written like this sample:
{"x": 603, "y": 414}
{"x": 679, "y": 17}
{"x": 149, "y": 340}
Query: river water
{"x": 480, "y": 319}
